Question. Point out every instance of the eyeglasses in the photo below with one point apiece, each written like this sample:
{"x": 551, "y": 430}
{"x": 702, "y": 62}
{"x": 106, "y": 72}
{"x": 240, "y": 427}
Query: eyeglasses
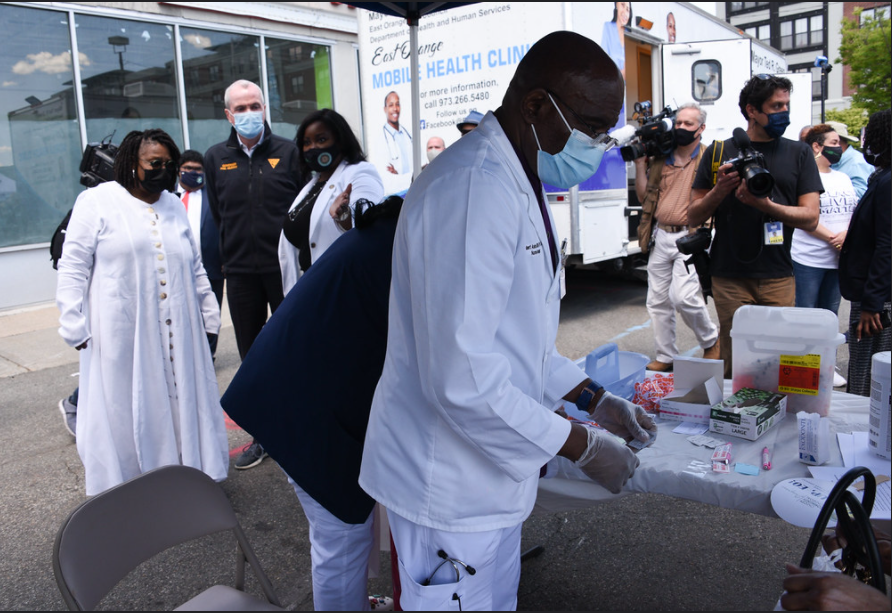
{"x": 599, "y": 137}
{"x": 156, "y": 164}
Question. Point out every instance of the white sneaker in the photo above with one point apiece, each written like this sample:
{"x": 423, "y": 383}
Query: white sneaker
{"x": 838, "y": 379}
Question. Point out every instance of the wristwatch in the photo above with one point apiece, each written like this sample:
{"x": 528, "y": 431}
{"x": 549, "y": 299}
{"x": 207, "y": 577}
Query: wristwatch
{"x": 587, "y": 395}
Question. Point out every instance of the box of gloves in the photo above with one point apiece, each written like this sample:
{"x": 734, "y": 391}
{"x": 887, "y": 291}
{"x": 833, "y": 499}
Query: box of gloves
{"x": 698, "y": 386}
{"x": 748, "y": 413}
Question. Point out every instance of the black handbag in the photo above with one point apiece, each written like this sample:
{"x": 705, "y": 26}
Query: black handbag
{"x": 860, "y": 557}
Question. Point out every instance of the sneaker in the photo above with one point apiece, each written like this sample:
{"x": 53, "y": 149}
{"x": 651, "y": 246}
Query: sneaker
{"x": 380, "y": 603}
{"x": 838, "y": 379}
{"x": 658, "y": 366}
{"x": 251, "y": 456}
{"x": 69, "y": 415}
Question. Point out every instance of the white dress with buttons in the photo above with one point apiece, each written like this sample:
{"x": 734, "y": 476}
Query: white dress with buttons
{"x": 131, "y": 285}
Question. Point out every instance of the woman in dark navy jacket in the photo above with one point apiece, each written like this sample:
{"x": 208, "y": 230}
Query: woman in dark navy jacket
{"x": 305, "y": 389}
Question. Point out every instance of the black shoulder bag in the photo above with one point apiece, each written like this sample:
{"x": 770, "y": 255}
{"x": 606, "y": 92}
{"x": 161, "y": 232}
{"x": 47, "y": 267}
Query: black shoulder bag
{"x": 860, "y": 557}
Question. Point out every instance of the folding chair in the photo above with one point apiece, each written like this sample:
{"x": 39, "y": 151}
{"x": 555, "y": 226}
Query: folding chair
{"x": 114, "y": 532}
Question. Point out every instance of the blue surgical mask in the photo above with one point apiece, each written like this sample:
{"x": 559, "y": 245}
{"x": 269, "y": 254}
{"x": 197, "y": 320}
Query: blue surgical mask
{"x": 576, "y": 162}
{"x": 777, "y": 124}
{"x": 249, "y": 124}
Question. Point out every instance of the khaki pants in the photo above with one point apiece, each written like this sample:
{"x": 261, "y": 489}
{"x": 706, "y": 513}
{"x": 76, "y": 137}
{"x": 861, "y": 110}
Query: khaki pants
{"x": 732, "y": 293}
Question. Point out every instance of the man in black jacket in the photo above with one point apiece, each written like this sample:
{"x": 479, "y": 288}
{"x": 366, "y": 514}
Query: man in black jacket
{"x": 252, "y": 179}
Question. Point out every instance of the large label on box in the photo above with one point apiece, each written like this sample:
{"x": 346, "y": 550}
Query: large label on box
{"x": 799, "y": 374}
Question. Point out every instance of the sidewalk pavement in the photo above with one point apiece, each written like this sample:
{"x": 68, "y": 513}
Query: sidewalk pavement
{"x": 30, "y": 341}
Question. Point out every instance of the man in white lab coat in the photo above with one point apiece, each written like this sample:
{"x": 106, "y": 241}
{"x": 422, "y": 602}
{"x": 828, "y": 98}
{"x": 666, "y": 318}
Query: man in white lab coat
{"x": 462, "y": 418}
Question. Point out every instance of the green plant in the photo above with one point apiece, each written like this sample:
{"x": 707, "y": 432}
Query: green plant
{"x": 866, "y": 48}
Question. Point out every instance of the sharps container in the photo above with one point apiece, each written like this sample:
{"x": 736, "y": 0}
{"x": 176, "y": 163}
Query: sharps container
{"x": 879, "y": 436}
{"x": 786, "y": 350}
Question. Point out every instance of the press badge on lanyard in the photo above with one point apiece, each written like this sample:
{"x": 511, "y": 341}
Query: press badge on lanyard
{"x": 774, "y": 233}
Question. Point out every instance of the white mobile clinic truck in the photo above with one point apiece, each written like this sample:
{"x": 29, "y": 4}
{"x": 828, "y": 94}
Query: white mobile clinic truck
{"x": 669, "y": 52}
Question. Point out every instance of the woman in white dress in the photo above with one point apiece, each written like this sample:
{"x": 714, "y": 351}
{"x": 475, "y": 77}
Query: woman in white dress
{"x": 333, "y": 159}
{"x": 136, "y": 302}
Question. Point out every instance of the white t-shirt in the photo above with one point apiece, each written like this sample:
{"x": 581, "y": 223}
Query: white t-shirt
{"x": 837, "y": 204}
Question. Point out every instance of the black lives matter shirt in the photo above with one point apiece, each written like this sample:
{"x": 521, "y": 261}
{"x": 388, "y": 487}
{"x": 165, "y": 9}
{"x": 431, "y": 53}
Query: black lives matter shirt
{"x": 739, "y": 248}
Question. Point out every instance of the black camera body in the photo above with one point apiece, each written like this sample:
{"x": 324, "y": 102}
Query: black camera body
{"x": 655, "y": 136}
{"x": 696, "y": 245}
{"x": 750, "y": 165}
{"x": 98, "y": 163}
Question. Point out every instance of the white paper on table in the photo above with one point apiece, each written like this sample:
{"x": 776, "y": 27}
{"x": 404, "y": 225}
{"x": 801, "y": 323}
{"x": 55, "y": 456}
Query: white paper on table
{"x": 689, "y": 428}
{"x": 855, "y": 451}
{"x": 882, "y": 506}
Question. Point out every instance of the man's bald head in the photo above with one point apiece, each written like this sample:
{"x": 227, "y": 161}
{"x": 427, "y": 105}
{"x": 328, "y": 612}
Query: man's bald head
{"x": 564, "y": 79}
{"x": 557, "y": 60}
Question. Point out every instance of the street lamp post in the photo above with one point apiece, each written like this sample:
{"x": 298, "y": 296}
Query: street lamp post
{"x": 824, "y": 64}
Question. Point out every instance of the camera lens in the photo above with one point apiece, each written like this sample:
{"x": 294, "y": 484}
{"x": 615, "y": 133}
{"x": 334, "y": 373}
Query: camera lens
{"x": 759, "y": 181}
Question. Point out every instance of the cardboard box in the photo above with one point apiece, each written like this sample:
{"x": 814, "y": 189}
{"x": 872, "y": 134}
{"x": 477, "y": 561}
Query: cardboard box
{"x": 748, "y": 413}
{"x": 698, "y": 387}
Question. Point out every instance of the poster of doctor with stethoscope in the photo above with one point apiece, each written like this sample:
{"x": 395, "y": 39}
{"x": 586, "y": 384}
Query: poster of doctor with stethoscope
{"x": 395, "y": 159}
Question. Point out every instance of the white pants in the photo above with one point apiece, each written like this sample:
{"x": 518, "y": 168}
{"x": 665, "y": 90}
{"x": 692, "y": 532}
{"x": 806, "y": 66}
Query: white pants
{"x": 669, "y": 288}
{"x": 494, "y": 555}
{"x": 340, "y": 556}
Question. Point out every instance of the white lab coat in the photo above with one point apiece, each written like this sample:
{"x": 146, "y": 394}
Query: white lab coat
{"x": 323, "y": 229}
{"x": 131, "y": 284}
{"x": 462, "y": 417}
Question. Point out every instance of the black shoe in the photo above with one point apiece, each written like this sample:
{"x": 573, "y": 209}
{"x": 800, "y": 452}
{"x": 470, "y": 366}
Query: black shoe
{"x": 251, "y": 456}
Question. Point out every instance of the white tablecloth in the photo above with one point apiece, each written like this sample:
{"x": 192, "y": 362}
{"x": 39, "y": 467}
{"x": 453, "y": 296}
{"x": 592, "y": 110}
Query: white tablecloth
{"x": 665, "y": 465}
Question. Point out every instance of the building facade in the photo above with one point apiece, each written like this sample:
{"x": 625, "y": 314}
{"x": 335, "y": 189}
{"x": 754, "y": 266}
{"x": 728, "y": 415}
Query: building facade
{"x": 144, "y": 65}
{"x": 803, "y": 31}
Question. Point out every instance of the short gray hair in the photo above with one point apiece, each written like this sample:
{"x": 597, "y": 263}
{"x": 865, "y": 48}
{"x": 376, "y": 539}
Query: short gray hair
{"x": 700, "y": 112}
{"x": 243, "y": 84}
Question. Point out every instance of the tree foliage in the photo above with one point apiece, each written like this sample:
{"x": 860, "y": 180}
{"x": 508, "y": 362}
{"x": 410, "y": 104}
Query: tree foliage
{"x": 854, "y": 118}
{"x": 866, "y": 48}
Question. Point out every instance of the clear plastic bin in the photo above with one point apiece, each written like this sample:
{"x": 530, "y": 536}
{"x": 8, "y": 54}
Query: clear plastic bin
{"x": 618, "y": 371}
{"x": 786, "y": 350}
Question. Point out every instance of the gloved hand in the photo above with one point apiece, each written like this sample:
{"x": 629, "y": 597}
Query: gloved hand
{"x": 607, "y": 462}
{"x": 623, "y": 418}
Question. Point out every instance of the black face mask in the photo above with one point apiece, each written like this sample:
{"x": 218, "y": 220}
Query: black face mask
{"x": 833, "y": 154}
{"x": 684, "y": 137}
{"x": 870, "y": 157}
{"x": 322, "y": 160}
{"x": 157, "y": 180}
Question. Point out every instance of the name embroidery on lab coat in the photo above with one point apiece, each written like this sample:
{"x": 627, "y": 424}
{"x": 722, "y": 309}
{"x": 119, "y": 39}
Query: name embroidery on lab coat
{"x": 535, "y": 249}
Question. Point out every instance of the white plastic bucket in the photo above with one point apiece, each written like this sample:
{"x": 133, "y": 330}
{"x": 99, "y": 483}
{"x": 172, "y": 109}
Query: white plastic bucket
{"x": 787, "y": 350}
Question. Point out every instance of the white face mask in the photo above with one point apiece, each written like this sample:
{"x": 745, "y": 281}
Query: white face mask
{"x": 577, "y": 161}
{"x": 432, "y": 153}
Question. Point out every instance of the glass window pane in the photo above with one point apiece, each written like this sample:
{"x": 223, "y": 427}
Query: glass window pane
{"x": 129, "y": 80}
{"x": 707, "y": 80}
{"x": 752, "y": 32}
{"x": 40, "y": 146}
{"x": 212, "y": 61}
{"x": 299, "y": 82}
{"x": 765, "y": 33}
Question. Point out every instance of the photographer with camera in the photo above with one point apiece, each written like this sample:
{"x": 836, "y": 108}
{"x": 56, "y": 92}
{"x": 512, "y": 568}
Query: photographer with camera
{"x": 758, "y": 187}
{"x": 663, "y": 185}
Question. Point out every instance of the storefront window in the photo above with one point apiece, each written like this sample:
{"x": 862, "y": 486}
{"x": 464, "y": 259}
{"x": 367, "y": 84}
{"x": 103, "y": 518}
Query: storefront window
{"x": 129, "y": 82}
{"x": 299, "y": 82}
{"x": 212, "y": 61}
{"x": 40, "y": 147}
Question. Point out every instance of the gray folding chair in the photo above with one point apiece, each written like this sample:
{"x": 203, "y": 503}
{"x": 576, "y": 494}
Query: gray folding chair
{"x": 111, "y": 534}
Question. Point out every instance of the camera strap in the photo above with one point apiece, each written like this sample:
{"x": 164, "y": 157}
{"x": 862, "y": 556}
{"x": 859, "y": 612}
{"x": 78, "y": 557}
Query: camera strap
{"x": 717, "y": 162}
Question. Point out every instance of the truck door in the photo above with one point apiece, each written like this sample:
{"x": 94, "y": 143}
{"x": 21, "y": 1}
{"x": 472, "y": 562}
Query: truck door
{"x": 711, "y": 73}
